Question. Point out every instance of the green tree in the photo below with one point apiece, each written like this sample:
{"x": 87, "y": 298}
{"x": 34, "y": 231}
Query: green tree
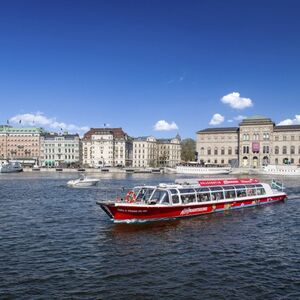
{"x": 188, "y": 150}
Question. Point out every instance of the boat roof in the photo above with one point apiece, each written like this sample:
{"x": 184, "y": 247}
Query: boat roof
{"x": 196, "y": 183}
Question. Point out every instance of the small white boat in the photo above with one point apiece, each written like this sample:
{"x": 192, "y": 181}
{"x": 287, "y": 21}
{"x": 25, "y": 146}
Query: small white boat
{"x": 10, "y": 167}
{"x": 83, "y": 182}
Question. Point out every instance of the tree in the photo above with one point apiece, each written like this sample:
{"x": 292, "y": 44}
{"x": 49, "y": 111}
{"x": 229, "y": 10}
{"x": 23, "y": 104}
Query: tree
{"x": 188, "y": 150}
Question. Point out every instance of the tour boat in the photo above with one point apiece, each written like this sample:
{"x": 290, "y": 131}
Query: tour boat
{"x": 189, "y": 197}
{"x": 83, "y": 182}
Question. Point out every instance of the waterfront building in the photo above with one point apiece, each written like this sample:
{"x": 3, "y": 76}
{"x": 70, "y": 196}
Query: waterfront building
{"x": 144, "y": 150}
{"x": 169, "y": 152}
{"x": 106, "y": 147}
{"x": 60, "y": 150}
{"x": 256, "y": 142}
{"x": 20, "y": 144}
{"x": 151, "y": 152}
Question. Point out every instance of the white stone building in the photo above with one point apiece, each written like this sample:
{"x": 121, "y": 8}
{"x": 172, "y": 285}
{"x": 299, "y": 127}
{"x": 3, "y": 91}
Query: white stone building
{"x": 60, "y": 150}
{"x": 152, "y": 152}
{"x": 103, "y": 147}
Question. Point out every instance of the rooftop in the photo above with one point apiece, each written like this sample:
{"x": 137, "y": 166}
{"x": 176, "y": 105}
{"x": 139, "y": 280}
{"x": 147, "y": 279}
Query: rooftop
{"x": 219, "y": 129}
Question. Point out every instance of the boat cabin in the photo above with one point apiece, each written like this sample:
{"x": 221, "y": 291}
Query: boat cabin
{"x": 177, "y": 194}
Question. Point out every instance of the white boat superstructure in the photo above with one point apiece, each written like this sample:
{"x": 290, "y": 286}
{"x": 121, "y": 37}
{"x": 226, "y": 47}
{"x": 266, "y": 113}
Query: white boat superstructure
{"x": 83, "y": 182}
{"x": 208, "y": 169}
{"x": 11, "y": 167}
{"x": 285, "y": 170}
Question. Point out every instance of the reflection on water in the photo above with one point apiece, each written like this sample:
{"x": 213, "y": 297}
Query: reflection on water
{"x": 55, "y": 242}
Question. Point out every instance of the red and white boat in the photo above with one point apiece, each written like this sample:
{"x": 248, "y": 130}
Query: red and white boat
{"x": 190, "y": 197}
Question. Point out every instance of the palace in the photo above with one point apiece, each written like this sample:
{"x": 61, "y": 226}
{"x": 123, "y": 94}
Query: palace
{"x": 256, "y": 142}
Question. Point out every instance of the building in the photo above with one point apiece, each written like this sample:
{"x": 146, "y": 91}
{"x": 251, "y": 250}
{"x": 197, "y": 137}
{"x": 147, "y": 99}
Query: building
{"x": 106, "y": 147}
{"x": 20, "y": 144}
{"x": 60, "y": 150}
{"x": 144, "y": 152}
{"x": 169, "y": 152}
{"x": 256, "y": 142}
{"x": 218, "y": 145}
{"x": 151, "y": 152}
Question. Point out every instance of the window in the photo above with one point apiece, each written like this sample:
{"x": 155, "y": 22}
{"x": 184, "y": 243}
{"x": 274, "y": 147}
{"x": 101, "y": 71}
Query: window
{"x": 240, "y": 191}
{"x": 216, "y": 151}
{"x": 222, "y": 151}
{"x": 229, "y": 151}
{"x": 292, "y": 149}
{"x": 251, "y": 190}
{"x": 229, "y": 192}
{"x": 276, "y": 150}
{"x": 284, "y": 151}
{"x": 208, "y": 151}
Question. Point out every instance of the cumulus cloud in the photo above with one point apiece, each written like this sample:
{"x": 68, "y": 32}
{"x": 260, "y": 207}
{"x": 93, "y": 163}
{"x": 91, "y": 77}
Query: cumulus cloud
{"x": 236, "y": 101}
{"x": 164, "y": 125}
{"x": 216, "y": 119}
{"x": 39, "y": 119}
{"x": 295, "y": 121}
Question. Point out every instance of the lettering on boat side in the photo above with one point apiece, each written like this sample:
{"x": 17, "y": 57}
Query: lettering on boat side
{"x": 188, "y": 211}
{"x": 139, "y": 211}
{"x": 228, "y": 181}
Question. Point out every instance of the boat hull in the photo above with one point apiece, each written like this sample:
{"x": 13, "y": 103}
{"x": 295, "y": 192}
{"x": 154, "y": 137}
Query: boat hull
{"x": 122, "y": 213}
{"x": 202, "y": 170}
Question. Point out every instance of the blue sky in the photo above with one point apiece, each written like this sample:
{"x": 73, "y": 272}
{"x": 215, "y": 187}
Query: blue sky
{"x": 137, "y": 64}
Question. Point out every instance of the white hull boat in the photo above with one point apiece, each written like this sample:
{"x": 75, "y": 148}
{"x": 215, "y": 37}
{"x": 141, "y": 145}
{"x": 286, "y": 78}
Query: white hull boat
{"x": 83, "y": 182}
{"x": 283, "y": 170}
{"x": 11, "y": 167}
{"x": 202, "y": 170}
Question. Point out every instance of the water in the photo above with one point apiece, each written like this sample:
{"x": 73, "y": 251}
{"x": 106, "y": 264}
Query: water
{"x": 56, "y": 243}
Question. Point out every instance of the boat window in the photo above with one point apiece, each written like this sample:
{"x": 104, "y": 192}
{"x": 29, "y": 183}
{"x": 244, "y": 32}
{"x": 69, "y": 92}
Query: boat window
{"x": 251, "y": 190}
{"x": 216, "y": 188}
{"x": 160, "y": 196}
{"x": 203, "y": 197}
{"x": 229, "y": 194}
{"x": 144, "y": 194}
{"x": 187, "y": 195}
{"x": 200, "y": 190}
{"x": 173, "y": 191}
{"x": 175, "y": 199}
{"x": 217, "y": 196}
{"x": 261, "y": 191}
{"x": 240, "y": 191}
{"x": 228, "y": 187}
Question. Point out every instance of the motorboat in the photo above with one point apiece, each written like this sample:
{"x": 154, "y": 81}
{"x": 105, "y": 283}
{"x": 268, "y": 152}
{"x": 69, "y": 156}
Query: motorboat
{"x": 11, "y": 167}
{"x": 189, "y": 197}
{"x": 83, "y": 181}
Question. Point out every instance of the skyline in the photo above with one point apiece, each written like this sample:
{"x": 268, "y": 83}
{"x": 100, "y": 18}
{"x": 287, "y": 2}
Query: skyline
{"x": 150, "y": 68}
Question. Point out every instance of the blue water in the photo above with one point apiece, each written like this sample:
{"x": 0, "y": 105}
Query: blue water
{"x": 56, "y": 243}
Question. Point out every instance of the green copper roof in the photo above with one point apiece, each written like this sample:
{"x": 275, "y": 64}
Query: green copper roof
{"x": 10, "y": 129}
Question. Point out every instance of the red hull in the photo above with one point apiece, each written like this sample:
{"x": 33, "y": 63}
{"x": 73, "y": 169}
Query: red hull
{"x": 122, "y": 212}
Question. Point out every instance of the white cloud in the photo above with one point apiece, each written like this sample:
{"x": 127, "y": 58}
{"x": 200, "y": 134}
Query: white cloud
{"x": 216, "y": 119}
{"x": 229, "y": 121}
{"x": 164, "y": 125}
{"x": 240, "y": 118}
{"x": 39, "y": 119}
{"x": 295, "y": 121}
{"x": 236, "y": 101}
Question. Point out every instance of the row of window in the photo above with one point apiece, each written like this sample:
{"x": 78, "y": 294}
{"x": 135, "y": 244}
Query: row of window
{"x": 204, "y": 194}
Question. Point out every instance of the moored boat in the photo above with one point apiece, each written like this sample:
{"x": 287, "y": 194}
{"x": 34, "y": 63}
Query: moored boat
{"x": 197, "y": 169}
{"x": 284, "y": 170}
{"x": 188, "y": 198}
{"x": 10, "y": 167}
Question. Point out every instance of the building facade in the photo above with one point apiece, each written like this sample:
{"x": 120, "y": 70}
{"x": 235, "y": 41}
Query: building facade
{"x": 151, "y": 152}
{"x": 256, "y": 142}
{"x": 20, "y": 144}
{"x": 144, "y": 152}
{"x": 60, "y": 150}
{"x": 106, "y": 147}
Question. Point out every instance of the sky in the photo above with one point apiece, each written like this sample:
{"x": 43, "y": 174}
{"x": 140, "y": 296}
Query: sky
{"x": 151, "y": 67}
